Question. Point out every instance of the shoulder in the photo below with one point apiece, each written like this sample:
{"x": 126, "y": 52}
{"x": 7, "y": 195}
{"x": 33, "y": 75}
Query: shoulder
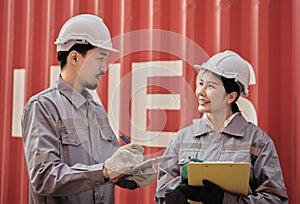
{"x": 43, "y": 97}
{"x": 260, "y": 139}
{"x": 257, "y": 132}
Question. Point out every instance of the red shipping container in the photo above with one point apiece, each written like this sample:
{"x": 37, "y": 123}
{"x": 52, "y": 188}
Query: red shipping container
{"x": 159, "y": 40}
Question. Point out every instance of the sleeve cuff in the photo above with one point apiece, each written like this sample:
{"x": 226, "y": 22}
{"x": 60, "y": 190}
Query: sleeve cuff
{"x": 96, "y": 175}
{"x": 230, "y": 198}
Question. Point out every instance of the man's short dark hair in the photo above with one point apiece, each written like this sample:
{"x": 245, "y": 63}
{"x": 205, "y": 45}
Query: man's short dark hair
{"x": 81, "y": 48}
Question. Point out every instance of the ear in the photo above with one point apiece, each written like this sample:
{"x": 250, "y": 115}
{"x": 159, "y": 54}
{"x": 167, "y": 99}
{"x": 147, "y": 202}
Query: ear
{"x": 73, "y": 57}
{"x": 231, "y": 97}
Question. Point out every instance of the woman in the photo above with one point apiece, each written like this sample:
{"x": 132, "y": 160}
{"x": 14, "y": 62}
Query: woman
{"x": 222, "y": 134}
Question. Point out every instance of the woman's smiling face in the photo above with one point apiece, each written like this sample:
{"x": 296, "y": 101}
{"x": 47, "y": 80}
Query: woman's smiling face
{"x": 210, "y": 93}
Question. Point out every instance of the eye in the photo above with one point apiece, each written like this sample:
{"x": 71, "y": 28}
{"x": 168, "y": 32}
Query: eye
{"x": 211, "y": 86}
{"x": 101, "y": 60}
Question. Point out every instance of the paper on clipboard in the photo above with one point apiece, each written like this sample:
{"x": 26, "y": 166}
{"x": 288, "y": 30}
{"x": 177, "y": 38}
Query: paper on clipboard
{"x": 150, "y": 162}
{"x": 146, "y": 164}
{"x": 230, "y": 176}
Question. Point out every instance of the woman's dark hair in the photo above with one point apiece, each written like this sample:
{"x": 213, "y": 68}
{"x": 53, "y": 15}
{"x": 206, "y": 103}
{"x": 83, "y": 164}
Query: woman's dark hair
{"x": 230, "y": 86}
{"x": 81, "y": 48}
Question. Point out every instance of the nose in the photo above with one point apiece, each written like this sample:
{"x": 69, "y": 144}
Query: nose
{"x": 103, "y": 66}
{"x": 201, "y": 90}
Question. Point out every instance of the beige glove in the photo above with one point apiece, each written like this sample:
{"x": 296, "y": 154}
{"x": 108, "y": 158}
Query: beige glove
{"x": 124, "y": 159}
{"x": 144, "y": 177}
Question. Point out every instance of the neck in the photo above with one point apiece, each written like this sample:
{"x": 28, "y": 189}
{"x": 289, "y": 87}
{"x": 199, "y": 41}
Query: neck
{"x": 218, "y": 119}
{"x": 70, "y": 78}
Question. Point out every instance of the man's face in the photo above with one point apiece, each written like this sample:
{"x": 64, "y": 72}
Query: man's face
{"x": 92, "y": 68}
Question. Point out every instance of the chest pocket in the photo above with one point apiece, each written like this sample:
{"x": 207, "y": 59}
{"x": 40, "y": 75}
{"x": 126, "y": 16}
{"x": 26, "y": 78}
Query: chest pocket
{"x": 106, "y": 133}
{"x": 74, "y": 135}
{"x": 105, "y": 130}
{"x": 74, "y": 144}
{"x": 73, "y": 131}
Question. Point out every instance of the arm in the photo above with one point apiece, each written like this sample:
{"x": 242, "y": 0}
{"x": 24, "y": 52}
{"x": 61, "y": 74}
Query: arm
{"x": 266, "y": 180}
{"x": 169, "y": 176}
{"x": 48, "y": 175}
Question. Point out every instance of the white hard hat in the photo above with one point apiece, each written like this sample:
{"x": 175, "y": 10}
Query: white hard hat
{"x": 229, "y": 65}
{"x": 252, "y": 74}
{"x": 83, "y": 29}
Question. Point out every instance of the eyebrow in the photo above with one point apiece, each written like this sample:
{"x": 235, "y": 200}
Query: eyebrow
{"x": 104, "y": 53}
{"x": 210, "y": 82}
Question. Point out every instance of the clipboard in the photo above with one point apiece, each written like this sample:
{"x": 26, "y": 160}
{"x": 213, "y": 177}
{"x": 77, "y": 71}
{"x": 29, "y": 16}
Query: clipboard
{"x": 230, "y": 176}
{"x": 146, "y": 164}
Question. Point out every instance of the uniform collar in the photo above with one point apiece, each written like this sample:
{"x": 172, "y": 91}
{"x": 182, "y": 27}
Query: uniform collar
{"x": 235, "y": 127}
{"x": 201, "y": 128}
{"x": 76, "y": 98}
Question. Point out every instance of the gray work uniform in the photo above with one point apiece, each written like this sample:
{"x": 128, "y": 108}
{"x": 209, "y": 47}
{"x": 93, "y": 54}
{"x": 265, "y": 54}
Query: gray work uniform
{"x": 67, "y": 138}
{"x": 239, "y": 141}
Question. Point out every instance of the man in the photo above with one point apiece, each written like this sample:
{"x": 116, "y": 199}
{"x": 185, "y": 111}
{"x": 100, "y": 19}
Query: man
{"x": 70, "y": 148}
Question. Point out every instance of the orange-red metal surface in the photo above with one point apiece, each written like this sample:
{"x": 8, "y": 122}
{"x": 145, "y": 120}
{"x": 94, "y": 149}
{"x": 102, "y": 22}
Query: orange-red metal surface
{"x": 265, "y": 32}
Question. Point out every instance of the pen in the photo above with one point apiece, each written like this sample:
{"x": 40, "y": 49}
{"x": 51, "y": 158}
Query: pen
{"x": 124, "y": 139}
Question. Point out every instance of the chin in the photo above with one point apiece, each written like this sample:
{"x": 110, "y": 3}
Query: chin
{"x": 92, "y": 86}
{"x": 202, "y": 109}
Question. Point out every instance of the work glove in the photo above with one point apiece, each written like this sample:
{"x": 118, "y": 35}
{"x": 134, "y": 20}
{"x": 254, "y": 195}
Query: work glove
{"x": 176, "y": 196}
{"x": 123, "y": 160}
{"x": 209, "y": 193}
{"x": 143, "y": 177}
{"x": 139, "y": 179}
{"x": 184, "y": 172}
{"x": 129, "y": 184}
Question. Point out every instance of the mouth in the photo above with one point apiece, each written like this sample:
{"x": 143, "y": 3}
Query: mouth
{"x": 98, "y": 76}
{"x": 203, "y": 102}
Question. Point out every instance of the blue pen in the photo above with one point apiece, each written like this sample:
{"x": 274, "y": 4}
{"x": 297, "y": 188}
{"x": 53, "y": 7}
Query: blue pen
{"x": 124, "y": 139}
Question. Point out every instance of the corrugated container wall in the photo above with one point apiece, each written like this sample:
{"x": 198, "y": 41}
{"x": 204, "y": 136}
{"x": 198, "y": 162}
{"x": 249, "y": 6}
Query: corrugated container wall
{"x": 166, "y": 35}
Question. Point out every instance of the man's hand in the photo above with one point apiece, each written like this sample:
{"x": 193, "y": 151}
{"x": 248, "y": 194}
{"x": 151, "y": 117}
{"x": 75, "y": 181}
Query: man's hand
{"x": 210, "y": 193}
{"x": 129, "y": 184}
{"x": 139, "y": 179}
{"x": 144, "y": 177}
{"x": 123, "y": 160}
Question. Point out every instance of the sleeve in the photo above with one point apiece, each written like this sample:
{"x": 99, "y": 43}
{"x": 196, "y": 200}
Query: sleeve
{"x": 168, "y": 174}
{"x": 48, "y": 175}
{"x": 266, "y": 180}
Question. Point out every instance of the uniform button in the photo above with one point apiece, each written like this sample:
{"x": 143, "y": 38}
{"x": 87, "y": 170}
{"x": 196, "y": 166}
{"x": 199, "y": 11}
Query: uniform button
{"x": 97, "y": 183}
